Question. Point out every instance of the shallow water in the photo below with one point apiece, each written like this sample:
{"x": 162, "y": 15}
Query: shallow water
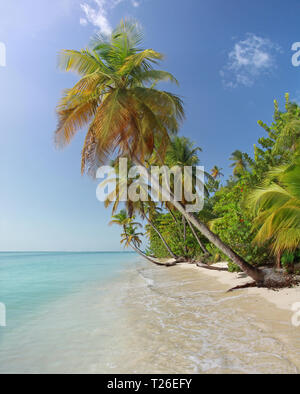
{"x": 112, "y": 313}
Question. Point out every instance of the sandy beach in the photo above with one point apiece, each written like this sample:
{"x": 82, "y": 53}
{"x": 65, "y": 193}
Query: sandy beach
{"x": 281, "y": 298}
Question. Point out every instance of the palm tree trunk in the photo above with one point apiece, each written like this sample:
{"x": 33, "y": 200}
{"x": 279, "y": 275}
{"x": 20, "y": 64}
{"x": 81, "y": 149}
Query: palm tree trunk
{"x": 161, "y": 237}
{"x": 278, "y": 260}
{"x": 137, "y": 250}
{"x": 204, "y": 250}
{"x": 184, "y": 233}
{"x": 176, "y": 222}
{"x": 253, "y": 272}
{"x": 173, "y": 216}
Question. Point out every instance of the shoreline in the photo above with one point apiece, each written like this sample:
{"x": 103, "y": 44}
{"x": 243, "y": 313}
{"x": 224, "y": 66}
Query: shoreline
{"x": 266, "y": 314}
{"x": 282, "y": 298}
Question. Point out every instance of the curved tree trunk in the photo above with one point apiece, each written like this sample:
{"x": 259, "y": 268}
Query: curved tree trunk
{"x": 161, "y": 237}
{"x": 137, "y": 250}
{"x": 204, "y": 250}
{"x": 176, "y": 222}
{"x": 253, "y": 272}
{"x": 184, "y": 234}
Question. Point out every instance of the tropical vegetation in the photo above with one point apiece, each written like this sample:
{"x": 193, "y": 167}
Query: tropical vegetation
{"x": 251, "y": 220}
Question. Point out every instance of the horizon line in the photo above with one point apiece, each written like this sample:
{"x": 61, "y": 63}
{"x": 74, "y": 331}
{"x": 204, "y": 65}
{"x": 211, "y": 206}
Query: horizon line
{"x": 66, "y": 251}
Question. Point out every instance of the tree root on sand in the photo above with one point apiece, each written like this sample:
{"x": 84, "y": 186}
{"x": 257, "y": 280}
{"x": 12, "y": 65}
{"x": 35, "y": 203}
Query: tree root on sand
{"x": 272, "y": 281}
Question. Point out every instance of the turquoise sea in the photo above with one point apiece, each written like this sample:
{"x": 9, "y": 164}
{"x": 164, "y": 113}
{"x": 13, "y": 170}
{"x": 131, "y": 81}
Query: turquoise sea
{"x": 32, "y": 280}
{"x": 46, "y": 293}
{"x": 115, "y": 313}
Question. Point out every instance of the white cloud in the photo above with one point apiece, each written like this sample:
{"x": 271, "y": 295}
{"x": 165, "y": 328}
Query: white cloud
{"x": 97, "y": 13}
{"x": 135, "y": 3}
{"x": 83, "y": 21}
{"x": 248, "y": 60}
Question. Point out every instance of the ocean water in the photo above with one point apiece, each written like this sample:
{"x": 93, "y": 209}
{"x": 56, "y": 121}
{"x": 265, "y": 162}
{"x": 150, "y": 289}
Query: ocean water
{"x": 115, "y": 313}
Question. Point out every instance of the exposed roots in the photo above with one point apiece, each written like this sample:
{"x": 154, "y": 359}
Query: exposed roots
{"x": 272, "y": 280}
{"x": 275, "y": 280}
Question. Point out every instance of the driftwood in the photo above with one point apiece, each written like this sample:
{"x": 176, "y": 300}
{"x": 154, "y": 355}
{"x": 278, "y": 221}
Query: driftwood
{"x": 211, "y": 267}
{"x": 168, "y": 264}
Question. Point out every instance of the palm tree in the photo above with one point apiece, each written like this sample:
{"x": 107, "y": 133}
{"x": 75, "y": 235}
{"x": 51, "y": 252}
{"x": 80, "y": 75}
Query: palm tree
{"x": 116, "y": 97}
{"x": 146, "y": 209}
{"x": 130, "y": 237}
{"x": 182, "y": 153}
{"x": 122, "y": 220}
{"x": 277, "y": 205}
{"x": 239, "y": 163}
{"x": 125, "y": 115}
{"x": 216, "y": 172}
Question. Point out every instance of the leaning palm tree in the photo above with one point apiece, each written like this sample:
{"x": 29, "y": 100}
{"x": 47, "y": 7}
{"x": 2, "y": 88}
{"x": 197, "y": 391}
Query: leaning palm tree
{"x": 145, "y": 209}
{"x": 277, "y": 205}
{"x": 148, "y": 210}
{"x": 117, "y": 98}
{"x": 130, "y": 237}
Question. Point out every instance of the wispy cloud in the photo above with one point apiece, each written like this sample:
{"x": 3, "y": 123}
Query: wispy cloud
{"x": 248, "y": 60}
{"x": 97, "y": 13}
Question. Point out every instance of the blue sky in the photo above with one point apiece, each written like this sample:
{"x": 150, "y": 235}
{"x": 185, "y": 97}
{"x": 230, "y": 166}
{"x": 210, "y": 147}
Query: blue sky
{"x": 232, "y": 59}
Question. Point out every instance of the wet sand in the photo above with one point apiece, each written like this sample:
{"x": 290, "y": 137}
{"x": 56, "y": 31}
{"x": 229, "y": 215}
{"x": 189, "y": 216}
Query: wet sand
{"x": 184, "y": 321}
{"x": 282, "y": 298}
{"x": 154, "y": 319}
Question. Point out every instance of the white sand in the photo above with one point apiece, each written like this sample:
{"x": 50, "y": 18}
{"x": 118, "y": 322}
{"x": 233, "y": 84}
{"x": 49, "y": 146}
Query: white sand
{"x": 282, "y": 298}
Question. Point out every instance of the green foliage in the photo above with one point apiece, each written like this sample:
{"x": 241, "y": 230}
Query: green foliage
{"x": 229, "y": 211}
{"x": 234, "y": 222}
{"x": 125, "y": 115}
{"x": 173, "y": 232}
{"x": 277, "y": 206}
{"x": 287, "y": 261}
{"x": 287, "y": 258}
{"x": 234, "y": 217}
{"x": 233, "y": 267}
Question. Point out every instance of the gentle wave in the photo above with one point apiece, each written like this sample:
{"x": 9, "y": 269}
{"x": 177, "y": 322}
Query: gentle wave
{"x": 112, "y": 313}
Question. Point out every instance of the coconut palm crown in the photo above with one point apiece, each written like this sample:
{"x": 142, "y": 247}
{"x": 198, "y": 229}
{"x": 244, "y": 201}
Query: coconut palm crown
{"x": 116, "y": 100}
